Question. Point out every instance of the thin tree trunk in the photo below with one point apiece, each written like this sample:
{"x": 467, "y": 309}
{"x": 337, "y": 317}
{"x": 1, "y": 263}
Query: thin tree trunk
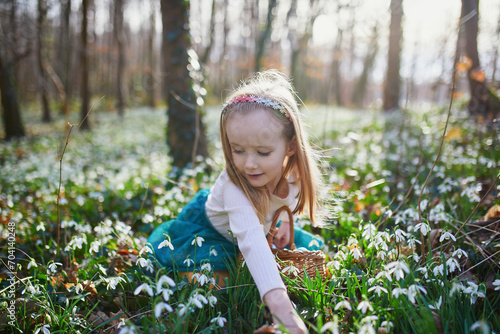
{"x": 120, "y": 37}
{"x": 150, "y": 83}
{"x": 358, "y": 96}
{"x": 336, "y": 77}
{"x": 261, "y": 42}
{"x": 43, "y": 84}
{"x": 65, "y": 49}
{"x": 393, "y": 79}
{"x": 12, "y": 122}
{"x": 206, "y": 53}
{"x": 185, "y": 131}
{"x": 84, "y": 62}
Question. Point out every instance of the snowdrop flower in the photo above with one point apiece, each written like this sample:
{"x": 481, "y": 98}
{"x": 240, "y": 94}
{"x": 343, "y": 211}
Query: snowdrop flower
{"x": 334, "y": 264}
{"x": 385, "y": 274}
{"x": 366, "y": 329}
{"x": 145, "y": 263}
{"x": 219, "y": 320}
{"x": 32, "y": 264}
{"x": 202, "y": 279}
{"x": 198, "y": 299}
{"x": 452, "y": 264}
{"x": 387, "y": 324}
{"x": 212, "y": 300}
{"x": 399, "y": 291}
{"x": 459, "y": 253}
{"x": 113, "y": 282}
{"x": 313, "y": 243}
{"x": 166, "y": 294}
{"x": 482, "y": 325}
{"x": 412, "y": 241}
{"x": 331, "y": 326}
{"x": 94, "y": 246}
{"x": 423, "y": 227}
{"x": 188, "y": 262}
{"x": 456, "y": 287}
{"x": 365, "y": 306}
{"x": 437, "y": 305}
{"x": 400, "y": 235}
{"x": 127, "y": 330}
{"x": 102, "y": 269}
{"x": 473, "y": 291}
{"x": 164, "y": 279}
{"x": 414, "y": 290}
{"x": 182, "y": 309}
{"x": 424, "y": 271}
{"x": 144, "y": 286}
{"x": 160, "y": 307}
{"x": 438, "y": 270}
{"x": 378, "y": 289}
{"x": 198, "y": 240}
{"x": 447, "y": 235}
{"x": 63, "y": 201}
{"x": 44, "y": 329}
{"x": 166, "y": 243}
{"x": 291, "y": 270}
{"x": 344, "y": 304}
{"x": 398, "y": 268}
{"x": 213, "y": 252}
{"x": 356, "y": 253}
{"x": 206, "y": 267}
{"x": 53, "y": 267}
{"x": 369, "y": 230}
{"x": 40, "y": 227}
{"x": 146, "y": 249}
{"x": 496, "y": 284}
{"x": 352, "y": 241}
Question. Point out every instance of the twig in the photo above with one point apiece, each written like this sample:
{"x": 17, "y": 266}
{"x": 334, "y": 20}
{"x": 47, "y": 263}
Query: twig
{"x": 477, "y": 264}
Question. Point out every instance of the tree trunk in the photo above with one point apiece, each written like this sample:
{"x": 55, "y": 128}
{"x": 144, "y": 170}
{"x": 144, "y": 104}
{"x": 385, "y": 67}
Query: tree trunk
{"x": 65, "y": 48}
{"x": 120, "y": 37}
{"x": 261, "y": 41}
{"x": 185, "y": 131}
{"x": 12, "y": 122}
{"x": 482, "y": 101}
{"x": 336, "y": 77}
{"x": 206, "y": 53}
{"x": 42, "y": 79}
{"x": 359, "y": 93}
{"x": 84, "y": 62}
{"x": 150, "y": 83}
{"x": 393, "y": 80}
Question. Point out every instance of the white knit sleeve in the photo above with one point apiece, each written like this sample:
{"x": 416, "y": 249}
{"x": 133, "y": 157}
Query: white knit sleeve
{"x": 249, "y": 233}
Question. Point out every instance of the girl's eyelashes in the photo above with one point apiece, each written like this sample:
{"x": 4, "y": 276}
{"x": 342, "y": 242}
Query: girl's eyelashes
{"x": 235, "y": 151}
{"x": 264, "y": 154}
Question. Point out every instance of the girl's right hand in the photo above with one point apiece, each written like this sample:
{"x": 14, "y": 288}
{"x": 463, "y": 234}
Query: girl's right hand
{"x": 283, "y": 312}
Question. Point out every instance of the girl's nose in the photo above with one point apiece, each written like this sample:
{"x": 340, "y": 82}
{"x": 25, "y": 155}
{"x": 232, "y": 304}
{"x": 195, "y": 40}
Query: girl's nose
{"x": 250, "y": 162}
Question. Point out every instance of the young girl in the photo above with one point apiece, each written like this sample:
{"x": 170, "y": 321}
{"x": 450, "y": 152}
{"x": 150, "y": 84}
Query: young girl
{"x": 269, "y": 163}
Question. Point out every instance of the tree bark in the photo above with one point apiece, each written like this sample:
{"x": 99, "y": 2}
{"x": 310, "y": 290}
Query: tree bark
{"x": 120, "y": 37}
{"x": 150, "y": 83}
{"x": 261, "y": 41}
{"x": 65, "y": 49}
{"x": 84, "y": 62}
{"x": 393, "y": 80}
{"x": 359, "y": 93}
{"x": 482, "y": 101}
{"x": 12, "y": 122}
{"x": 185, "y": 130}
{"x": 335, "y": 69}
{"x": 42, "y": 79}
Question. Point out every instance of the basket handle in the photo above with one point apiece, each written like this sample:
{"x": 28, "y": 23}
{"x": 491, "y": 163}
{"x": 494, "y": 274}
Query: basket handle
{"x": 270, "y": 236}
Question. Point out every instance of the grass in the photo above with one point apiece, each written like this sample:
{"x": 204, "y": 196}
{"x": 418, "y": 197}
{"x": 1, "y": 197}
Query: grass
{"x": 81, "y": 267}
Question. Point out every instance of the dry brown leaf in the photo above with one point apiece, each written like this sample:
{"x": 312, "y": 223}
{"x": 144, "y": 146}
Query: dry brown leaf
{"x": 493, "y": 212}
{"x": 264, "y": 329}
{"x": 97, "y": 318}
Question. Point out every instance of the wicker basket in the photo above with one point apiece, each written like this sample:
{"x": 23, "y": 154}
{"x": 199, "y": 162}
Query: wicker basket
{"x": 292, "y": 262}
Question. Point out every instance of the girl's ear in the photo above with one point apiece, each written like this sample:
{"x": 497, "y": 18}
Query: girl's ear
{"x": 292, "y": 147}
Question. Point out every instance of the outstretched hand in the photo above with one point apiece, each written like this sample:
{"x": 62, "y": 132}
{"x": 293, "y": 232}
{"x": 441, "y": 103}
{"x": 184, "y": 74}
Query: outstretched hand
{"x": 282, "y": 234}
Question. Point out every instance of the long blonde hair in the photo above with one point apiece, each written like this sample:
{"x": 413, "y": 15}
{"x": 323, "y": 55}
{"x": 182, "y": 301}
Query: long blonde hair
{"x": 303, "y": 165}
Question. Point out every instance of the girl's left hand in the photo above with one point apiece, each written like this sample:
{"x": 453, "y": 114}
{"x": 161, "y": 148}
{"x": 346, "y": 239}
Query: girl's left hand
{"x": 282, "y": 234}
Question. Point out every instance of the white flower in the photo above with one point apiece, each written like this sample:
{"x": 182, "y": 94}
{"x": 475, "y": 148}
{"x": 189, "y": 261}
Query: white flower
{"x": 220, "y": 321}
{"x": 144, "y": 286}
{"x": 206, "y": 267}
{"x": 344, "y": 304}
{"x": 384, "y": 273}
{"x": 496, "y": 284}
{"x": 482, "y": 325}
{"x": 400, "y": 235}
{"x": 364, "y": 306}
{"x": 53, "y": 267}
{"x": 63, "y": 201}
{"x": 202, "y": 279}
{"x": 146, "y": 249}
{"x": 313, "y": 243}
{"x": 459, "y": 253}
{"x": 438, "y": 270}
{"x": 387, "y": 324}
{"x": 399, "y": 291}
{"x": 366, "y": 329}
{"x": 160, "y": 307}
{"x": 44, "y": 329}
{"x": 182, "y": 309}
{"x": 356, "y": 253}
{"x": 164, "y": 279}
{"x": 188, "y": 262}
{"x": 145, "y": 263}
{"x": 369, "y": 230}
{"x": 94, "y": 246}
{"x": 212, "y": 300}
{"x": 378, "y": 289}
{"x": 437, "y": 305}
{"x": 166, "y": 294}
{"x": 423, "y": 270}
{"x": 40, "y": 227}
{"x": 398, "y": 268}
{"x": 456, "y": 287}
{"x": 291, "y": 270}
{"x": 198, "y": 240}
{"x": 447, "y": 235}
{"x": 473, "y": 291}
{"x": 127, "y": 330}
{"x": 334, "y": 264}
{"x": 198, "y": 299}
{"x": 32, "y": 264}
{"x": 332, "y": 326}
{"x": 213, "y": 252}
{"x": 166, "y": 243}
{"x": 413, "y": 290}
{"x": 113, "y": 282}
{"x": 452, "y": 264}
{"x": 423, "y": 227}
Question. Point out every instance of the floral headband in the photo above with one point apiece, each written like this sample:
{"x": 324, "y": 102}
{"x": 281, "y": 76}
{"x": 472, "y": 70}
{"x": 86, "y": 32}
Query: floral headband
{"x": 255, "y": 99}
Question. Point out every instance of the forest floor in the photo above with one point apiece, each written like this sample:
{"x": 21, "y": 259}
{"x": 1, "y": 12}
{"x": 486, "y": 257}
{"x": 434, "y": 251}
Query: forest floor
{"x": 412, "y": 241}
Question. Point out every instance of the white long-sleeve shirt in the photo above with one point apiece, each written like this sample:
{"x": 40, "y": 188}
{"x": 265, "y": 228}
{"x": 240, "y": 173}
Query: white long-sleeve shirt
{"x": 228, "y": 208}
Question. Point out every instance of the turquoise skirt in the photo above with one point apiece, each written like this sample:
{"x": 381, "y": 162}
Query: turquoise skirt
{"x": 188, "y": 254}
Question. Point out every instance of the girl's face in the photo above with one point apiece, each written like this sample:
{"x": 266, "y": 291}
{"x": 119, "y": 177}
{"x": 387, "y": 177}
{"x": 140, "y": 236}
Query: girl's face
{"x": 258, "y": 147}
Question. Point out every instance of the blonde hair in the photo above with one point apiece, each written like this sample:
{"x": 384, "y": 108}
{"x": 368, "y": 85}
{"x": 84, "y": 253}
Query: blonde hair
{"x": 275, "y": 86}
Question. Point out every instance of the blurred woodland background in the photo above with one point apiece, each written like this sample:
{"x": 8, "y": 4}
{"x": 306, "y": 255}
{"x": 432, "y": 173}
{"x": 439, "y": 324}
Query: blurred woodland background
{"x": 59, "y": 55}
